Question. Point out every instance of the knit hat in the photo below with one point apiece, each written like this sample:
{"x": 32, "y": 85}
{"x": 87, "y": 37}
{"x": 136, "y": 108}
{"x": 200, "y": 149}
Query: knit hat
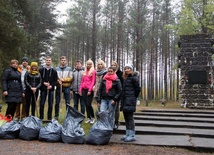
{"x": 24, "y": 59}
{"x": 129, "y": 66}
{"x": 34, "y": 64}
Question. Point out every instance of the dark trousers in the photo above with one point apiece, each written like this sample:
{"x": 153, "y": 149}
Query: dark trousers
{"x": 31, "y": 101}
{"x": 11, "y": 108}
{"x": 44, "y": 94}
{"x": 88, "y": 101}
{"x": 117, "y": 113}
{"x": 129, "y": 120}
{"x": 78, "y": 98}
{"x": 66, "y": 91}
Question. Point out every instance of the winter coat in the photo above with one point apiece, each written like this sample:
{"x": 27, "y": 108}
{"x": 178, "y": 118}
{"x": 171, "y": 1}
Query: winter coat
{"x": 11, "y": 82}
{"x": 33, "y": 80}
{"x": 66, "y": 74}
{"x": 99, "y": 76}
{"x": 131, "y": 91}
{"x": 77, "y": 77}
{"x": 114, "y": 93}
{"x": 48, "y": 76}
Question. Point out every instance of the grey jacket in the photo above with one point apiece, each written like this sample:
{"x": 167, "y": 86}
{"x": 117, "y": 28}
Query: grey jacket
{"x": 77, "y": 77}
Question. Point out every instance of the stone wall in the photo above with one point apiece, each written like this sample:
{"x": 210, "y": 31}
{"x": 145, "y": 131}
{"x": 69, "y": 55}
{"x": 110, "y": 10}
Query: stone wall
{"x": 196, "y": 70}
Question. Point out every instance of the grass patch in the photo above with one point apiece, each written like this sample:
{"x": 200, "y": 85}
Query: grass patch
{"x": 86, "y": 127}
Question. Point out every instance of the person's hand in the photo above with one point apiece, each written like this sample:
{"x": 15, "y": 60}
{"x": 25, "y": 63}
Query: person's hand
{"x": 89, "y": 93}
{"x": 112, "y": 102}
{"x": 49, "y": 87}
{"x": 23, "y": 94}
{"x": 46, "y": 84}
{"x": 80, "y": 93}
{"x": 5, "y": 93}
{"x": 33, "y": 89}
{"x": 71, "y": 92}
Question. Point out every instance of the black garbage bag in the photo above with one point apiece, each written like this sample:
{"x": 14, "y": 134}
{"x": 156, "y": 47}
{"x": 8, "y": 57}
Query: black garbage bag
{"x": 30, "y": 128}
{"x": 51, "y": 132}
{"x": 72, "y": 131}
{"x": 101, "y": 132}
{"x": 10, "y": 130}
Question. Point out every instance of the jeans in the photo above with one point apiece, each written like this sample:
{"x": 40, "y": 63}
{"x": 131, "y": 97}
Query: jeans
{"x": 44, "y": 94}
{"x": 129, "y": 120}
{"x": 78, "y": 98}
{"x": 88, "y": 101}
{"x": 66, "y": 91}
{"x": 106, "y": 105}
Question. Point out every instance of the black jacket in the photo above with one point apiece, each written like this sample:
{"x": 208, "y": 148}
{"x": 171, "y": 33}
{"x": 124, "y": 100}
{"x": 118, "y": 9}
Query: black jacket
{"x": 32, "y": 81}
{"x": 114, "y": 93}
{"x": 48, "y": 76}
{"x": 11, "y": 82}
{"x": 131, "y": 91}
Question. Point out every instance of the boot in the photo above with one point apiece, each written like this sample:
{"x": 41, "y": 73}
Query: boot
{"x": 124, "y": 137}
{"x": 131, "y": 136}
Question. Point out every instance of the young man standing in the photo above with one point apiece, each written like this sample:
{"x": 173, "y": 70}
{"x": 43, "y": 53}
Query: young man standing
{"x": 20, "y": 110}
{"x": 64, "y": 74}
{"x": 77, "y": 77}
{"x": 49, "y": 79}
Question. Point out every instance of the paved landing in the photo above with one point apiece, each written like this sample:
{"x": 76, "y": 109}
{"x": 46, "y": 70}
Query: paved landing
{"x": 174, "y": 128}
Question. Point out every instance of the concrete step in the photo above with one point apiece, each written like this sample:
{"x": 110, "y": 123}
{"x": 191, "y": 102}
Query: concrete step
{"x": 172, "y": 118}
{"x": 175, "y": 124}
{"x": 189, "y": 111}
{"x": 155, "y": 113}
{"x": 148, "y": 130}
{"x": 176, "y": 128}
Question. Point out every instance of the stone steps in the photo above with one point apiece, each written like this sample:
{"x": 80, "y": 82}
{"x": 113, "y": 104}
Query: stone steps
{"x": 177, "y": 128}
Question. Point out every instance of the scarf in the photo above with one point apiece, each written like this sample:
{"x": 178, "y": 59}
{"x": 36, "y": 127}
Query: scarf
{"x": 34, "y": 72}
{"x": 109, "y": 78}
{"x": 100, "y": 72}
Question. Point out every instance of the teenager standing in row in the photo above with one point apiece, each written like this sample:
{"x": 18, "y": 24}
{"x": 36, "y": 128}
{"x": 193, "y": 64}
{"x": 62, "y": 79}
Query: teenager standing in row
{"x": 77, "y": 77}
{"x": 20, "y": 108}
{"x": 33, "y": 82}
{"x": 64, "y": 74}
{"x": 49, "y": 79}
{"x": 109, "y": 92}
{"x": 86, "y": 89}
{"x": 131, "y": 91}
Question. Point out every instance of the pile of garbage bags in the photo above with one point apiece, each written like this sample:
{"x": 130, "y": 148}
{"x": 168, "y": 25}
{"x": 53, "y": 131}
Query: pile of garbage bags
{"x": 70, "y": 132}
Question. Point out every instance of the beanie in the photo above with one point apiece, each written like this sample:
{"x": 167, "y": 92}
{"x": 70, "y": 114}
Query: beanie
{"x": 34, "y": 64}
{"x": 24, "y": 59}
{"x": 129, "y": 66}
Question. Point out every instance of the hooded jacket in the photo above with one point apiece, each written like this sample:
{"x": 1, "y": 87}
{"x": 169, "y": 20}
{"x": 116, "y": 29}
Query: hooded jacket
{"x": 77, "y": 77}
{"x": 131, "y": 91}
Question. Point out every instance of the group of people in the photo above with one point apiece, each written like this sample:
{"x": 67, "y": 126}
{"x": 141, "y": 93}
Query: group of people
{"x": 110, "y": 87}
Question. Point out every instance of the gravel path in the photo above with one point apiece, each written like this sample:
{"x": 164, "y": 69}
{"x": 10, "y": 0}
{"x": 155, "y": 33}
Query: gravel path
{"x": 21, "y": 147}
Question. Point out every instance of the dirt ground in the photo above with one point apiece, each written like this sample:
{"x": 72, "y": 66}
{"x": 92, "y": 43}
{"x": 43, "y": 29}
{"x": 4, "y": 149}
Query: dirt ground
{"x": 21, "y": 147}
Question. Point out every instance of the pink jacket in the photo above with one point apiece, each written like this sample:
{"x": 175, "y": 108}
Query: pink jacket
{"x": 88, "y": 82}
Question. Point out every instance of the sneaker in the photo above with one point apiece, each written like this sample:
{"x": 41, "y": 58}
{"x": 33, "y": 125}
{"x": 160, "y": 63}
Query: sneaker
{"x": 88, "y": 120}
{"x": 92, "y": 120}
